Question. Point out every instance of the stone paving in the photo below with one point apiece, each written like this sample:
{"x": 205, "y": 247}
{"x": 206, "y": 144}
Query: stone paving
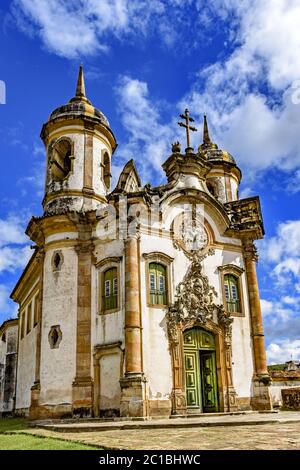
{"x": 281, "y": 434}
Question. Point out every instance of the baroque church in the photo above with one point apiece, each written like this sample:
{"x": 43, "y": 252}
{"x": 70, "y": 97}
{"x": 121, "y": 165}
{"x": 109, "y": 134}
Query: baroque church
{"x": 138, "y": 301}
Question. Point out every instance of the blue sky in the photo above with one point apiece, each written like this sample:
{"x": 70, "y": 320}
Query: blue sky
{"x": 144, "y": 63}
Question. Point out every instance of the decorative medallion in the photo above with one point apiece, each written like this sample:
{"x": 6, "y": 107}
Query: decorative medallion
{"x": 189, "y": 234}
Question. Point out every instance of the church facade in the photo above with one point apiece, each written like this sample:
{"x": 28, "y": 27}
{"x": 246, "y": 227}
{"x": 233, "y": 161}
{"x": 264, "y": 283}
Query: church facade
{"x": 138, "y": 300}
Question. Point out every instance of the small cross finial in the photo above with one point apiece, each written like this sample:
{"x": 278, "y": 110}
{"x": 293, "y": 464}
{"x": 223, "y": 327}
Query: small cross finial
{"x": 186, "y": 116}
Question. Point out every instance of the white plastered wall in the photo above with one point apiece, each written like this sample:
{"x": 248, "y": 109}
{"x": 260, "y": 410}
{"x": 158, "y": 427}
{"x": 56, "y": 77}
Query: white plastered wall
{"x": 59, "y": 308}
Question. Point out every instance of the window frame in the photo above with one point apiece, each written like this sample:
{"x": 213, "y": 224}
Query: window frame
{"x": 237, "y": 273}
{"x": 166, "y": 261}
{"x": 103, "y": 266}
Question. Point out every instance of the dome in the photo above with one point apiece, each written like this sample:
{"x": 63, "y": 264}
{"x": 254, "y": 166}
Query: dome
{"x": 211, "y": 151}
{"x": 79, "y": 105}
{"x": 219, "y": 155}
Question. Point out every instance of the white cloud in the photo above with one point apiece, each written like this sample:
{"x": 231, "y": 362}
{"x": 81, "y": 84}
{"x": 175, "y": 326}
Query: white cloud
{"x": 14, "y": 249}
{"x": 73, "y": 28}
{"x": 283, "y": 351}
{"x": 284, "y": 246}
{"x": 148, "y": 137}
{"x": 13, "y": 258}
{"x": 12, "y": 231}
{"x": 8, "y": 309}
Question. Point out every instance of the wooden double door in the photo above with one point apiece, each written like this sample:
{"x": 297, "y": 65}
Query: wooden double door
{"x": 200, "y": 371}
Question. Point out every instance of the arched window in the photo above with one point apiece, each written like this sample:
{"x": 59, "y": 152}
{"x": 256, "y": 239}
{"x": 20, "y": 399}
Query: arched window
{"x": 158, "y": 289}
{"x": 232, "y": 293}
{"x": 106, "y": 170}
{"x": 110, "y": 289}
{"x": 212, "y": 188}
{"x": 61, "y": 161}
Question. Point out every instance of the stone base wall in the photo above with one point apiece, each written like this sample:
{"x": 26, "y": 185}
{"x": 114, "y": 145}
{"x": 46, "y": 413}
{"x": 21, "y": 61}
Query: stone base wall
{"x": 243, "y": 403}
{"x": 161, "y": 408}
{"x": 133, "y": 397}
{"x": 261, "y": 398}
{"x": 62, "y": 411}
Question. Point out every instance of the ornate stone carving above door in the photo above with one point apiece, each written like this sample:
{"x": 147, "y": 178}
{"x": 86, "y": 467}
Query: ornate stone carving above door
{"x": 195, "y": 302}
{"x": 196, "y": 305}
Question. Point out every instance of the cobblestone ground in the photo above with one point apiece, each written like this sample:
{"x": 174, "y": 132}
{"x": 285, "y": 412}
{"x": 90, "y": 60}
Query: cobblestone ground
{"x": 250, "y": 437}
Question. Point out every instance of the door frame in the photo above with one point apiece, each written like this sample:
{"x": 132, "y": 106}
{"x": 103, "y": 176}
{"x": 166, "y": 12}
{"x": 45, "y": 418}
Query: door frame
{"x": 226, "y": 391}
{"x": 195, "y": 349}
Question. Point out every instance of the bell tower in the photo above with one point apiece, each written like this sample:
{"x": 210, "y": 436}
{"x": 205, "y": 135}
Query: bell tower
{"x": 79, "y": 146}
{"x": 224, "y": 177}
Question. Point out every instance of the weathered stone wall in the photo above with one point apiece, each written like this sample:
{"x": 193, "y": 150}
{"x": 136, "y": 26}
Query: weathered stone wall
{"x": 291, "y": 398}
{"x": 8, "y": 364}
{"x": 26, "y": 369}
{"x": 282, "y": 380}
{"x": 59, "y": 308}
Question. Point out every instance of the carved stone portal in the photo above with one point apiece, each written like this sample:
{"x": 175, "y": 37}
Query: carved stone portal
{"x": 195, "y": 305}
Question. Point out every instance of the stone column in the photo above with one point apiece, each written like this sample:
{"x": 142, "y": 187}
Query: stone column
{"x": 133, "y": 401}
{"x": 261, "y": 397}
{"x": 36, "y": 388}
{"x": 83, "y": 384}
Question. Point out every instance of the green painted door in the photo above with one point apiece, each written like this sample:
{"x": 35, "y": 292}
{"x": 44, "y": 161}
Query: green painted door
{"x": 208, "y": 381}
{"x": 200, "y": 370}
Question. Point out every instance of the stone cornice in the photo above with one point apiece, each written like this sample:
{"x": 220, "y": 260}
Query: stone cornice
{"x": 246, "y": 217}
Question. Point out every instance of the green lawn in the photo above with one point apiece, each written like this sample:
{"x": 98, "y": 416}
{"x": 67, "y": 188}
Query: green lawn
{"x": 10, "y": 439}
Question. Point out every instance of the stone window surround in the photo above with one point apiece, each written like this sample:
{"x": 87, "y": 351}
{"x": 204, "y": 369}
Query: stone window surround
{"x": 165, "y": 260}
{"x": 237, "y": 272}
{"x": 102, "y": 266}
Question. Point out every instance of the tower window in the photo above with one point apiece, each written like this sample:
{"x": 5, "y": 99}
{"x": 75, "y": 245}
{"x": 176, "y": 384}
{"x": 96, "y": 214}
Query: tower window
{"x": 57, "y": 260}
{"x": 232, "y": 293}
{"x": 110, "y": 289}
{"x": 106, "y": 170}
{"x": 61, "y": 160}
{"x": 212, "y": 189}
{"x": 157, "y": 284}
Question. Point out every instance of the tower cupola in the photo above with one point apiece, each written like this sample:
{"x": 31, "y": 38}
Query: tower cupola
{"x": 224, "y": 177}
{"x": 79, "y": 144}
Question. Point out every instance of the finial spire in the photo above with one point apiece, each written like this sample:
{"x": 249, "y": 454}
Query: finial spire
{"x": 206, "y": 138}
{"x": 80, "y": 89}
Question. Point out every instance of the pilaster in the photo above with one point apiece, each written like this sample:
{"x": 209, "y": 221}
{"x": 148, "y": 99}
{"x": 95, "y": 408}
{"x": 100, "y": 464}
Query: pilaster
{"x": 261, "y": 399}
{"x": 133, "y": 385}
{"x": 83, "y": 383}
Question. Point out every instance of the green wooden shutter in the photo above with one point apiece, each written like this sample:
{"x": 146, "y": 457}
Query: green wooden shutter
{"x": 110, "y": 289}
{"x": 232, "y": 295}
{"x": 157, "y": 284}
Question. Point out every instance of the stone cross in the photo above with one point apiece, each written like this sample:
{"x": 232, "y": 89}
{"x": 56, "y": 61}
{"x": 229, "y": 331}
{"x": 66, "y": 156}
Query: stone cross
{"x": 186, "y": 116}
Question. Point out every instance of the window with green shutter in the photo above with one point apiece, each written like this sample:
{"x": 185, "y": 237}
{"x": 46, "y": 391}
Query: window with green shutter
{"x": 158, "y": 284}
{"x": 232, "y": 294}
{"x": 110, "y": 289}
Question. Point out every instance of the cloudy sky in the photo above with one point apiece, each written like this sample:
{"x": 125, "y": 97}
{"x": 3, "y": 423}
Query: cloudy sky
{"x": 145, "y": 61}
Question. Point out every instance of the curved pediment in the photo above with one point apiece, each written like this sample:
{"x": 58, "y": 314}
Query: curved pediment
{"x": 176, "y": 201}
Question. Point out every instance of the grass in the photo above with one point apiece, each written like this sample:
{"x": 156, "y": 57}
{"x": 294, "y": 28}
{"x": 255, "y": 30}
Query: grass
{"x": 13, "y": 438}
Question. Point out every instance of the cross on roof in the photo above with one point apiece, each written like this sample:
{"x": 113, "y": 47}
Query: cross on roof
{"x": 186, "y": 116}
